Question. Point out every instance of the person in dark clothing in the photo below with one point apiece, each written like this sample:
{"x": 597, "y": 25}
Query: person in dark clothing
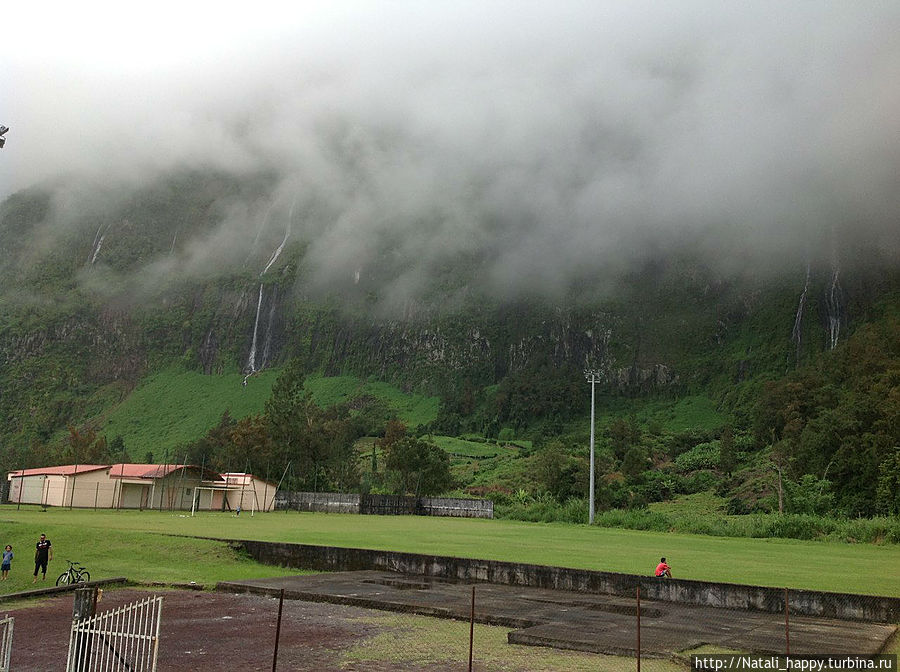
{"x": 43, "y": 553}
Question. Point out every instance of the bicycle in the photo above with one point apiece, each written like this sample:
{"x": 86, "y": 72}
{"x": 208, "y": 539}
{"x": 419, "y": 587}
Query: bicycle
{"x": 74, "y": 574}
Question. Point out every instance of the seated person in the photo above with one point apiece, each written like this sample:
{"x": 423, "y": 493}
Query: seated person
{"x": 663, "y": 570}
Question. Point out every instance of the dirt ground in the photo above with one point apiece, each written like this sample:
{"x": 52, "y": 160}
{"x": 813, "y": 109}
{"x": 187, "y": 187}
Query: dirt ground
{"x": 208, "y": 632}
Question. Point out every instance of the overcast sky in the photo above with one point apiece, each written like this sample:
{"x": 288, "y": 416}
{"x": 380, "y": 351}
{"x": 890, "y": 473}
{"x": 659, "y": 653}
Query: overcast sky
{"x": 545, "y": 135}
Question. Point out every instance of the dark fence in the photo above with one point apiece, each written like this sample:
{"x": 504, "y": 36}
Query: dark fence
{"x": 323, "y": 502}
{"x": 387, "y": 505}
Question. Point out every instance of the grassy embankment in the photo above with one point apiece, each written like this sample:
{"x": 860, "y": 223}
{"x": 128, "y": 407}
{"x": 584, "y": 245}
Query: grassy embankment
{"x": 175, "y": 406}
{"x": 117, "y": 543}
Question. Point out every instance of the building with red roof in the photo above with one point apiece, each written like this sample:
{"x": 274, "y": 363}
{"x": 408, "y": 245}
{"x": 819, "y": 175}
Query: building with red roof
{"x": 55, "y": 486}
{"x": 125, "y": 486}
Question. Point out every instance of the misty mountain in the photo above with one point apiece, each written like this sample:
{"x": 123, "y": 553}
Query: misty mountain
{"x": 475, "y": 201}
{"x": 219, "y": 274}
{"x": 90, "y": 309}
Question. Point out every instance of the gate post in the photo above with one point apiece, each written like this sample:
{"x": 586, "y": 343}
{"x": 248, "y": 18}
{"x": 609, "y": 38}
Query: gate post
{"x": 83, "y": 608}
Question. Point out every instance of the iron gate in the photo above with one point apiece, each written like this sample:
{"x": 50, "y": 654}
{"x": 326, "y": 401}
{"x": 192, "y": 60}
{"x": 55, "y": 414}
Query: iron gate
{"x": 126, "y": 638}
{"x": 6, "y": 634}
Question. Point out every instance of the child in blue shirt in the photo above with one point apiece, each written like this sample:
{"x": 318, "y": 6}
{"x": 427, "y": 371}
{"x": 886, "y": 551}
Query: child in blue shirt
{"x": 7, "y": 562}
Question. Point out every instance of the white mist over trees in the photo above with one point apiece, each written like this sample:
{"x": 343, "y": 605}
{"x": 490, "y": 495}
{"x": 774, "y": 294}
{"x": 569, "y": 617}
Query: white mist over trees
{"x": 540, "y": 141}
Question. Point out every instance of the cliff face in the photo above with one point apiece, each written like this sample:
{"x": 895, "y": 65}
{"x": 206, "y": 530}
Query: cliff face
{"x": 95, "y": 302}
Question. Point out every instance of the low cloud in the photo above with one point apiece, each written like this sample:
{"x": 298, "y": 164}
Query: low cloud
{"x": 536, "y": 142}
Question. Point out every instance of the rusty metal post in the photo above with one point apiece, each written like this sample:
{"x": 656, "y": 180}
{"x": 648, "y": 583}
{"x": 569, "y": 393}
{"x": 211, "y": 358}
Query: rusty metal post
{"x": 278, "y": 630}
{"x": 83, "y": 608}
{"x": 787, "y": 629}
{"x": 472, "y": 629}
{"x": 638, "y": 629}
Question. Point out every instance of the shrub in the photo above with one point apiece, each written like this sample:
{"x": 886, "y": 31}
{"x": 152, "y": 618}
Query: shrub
{"x": 701, "y": 456}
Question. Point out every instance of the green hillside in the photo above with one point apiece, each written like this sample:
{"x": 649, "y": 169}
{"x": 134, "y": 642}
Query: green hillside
{"x": 174, "y": 406}
{"x": 712, "y": 384}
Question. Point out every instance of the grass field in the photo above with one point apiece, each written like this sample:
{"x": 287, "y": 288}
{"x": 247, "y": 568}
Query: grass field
{"x": 135, "y": 554}
{"x": 116, "y": 543}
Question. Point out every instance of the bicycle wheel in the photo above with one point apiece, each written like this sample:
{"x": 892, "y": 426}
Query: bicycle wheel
{"x": 63, "y": 579}
{"x": 84, "y": 577}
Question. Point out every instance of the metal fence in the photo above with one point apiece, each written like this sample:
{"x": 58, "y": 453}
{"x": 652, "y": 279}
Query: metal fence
{"x": 389, "y": 505}
{"x": 126, "y": 638}
{"x": 6, "y": 635}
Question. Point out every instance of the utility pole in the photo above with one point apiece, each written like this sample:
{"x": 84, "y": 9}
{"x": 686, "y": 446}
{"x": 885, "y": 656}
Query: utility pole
{"x": 593, "y": 377}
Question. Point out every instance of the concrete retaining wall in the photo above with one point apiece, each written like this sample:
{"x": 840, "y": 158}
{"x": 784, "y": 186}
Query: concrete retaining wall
{"x": 335, "y": 502}
{"x": 685, "y": 591}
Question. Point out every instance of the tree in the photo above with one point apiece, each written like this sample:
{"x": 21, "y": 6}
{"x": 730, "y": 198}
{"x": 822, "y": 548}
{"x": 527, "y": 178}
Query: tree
{"x": 417, "y": 467}
{"x": 85, "y": 447}
{"x": 117, "y": 449}
{"x": 780, "y": 455}
{"x": 727, "y": 451}
{"x": 635, "y": 462}
{"x": 250, "y": 447}
{"x": 809, "y": 495}
{"x": 212, "y": 448}
{"x": 623, "y": 434}
{"x": 560, "y": 473}
{"x": 888, "y": 490}
{"x": 317, "y": 442}
{"x": 394, "y": 431}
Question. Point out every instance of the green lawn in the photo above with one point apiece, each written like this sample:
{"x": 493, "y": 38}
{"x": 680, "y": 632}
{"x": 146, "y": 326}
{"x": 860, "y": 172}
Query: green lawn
{"x": 112, "y": 541}
{"x": 116, "y": 550}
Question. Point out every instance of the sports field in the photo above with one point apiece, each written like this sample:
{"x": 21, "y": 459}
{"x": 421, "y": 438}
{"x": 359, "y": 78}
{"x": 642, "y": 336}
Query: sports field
{"x": 146, "y": 546}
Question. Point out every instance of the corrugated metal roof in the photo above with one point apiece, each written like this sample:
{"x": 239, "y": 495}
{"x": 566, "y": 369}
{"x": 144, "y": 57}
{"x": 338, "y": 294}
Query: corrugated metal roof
{"x": 121, "y": 470}
{"x": 144, "y": 470}
{"x": 61, "y": 470}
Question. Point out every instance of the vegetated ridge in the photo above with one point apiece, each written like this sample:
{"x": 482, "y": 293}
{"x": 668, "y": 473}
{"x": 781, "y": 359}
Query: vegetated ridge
{"x": 776, "y": 392}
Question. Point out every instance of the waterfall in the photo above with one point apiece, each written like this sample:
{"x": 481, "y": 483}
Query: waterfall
{"x": 287, "y": 233}
{"x": 251, "y": 367}
{"x": 259, "y": 230}
{"x": 268, "y": 342}
{"x": 251, "y": 360}
{"x": 834, "y": 308}
{"x": 93, "y": 255}
{"x": 797, "y": 334}
{"x": 98, "y": 243}
{"x": 97, "y": 249}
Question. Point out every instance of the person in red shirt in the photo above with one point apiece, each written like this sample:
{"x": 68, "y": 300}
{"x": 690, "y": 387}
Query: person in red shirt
{"x": 662, "y": 569}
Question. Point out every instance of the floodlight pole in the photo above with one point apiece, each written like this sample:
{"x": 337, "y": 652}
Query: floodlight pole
{"x": 593, "y": 377}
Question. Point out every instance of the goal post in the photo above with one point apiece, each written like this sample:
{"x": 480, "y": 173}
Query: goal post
{"x": 198, "y": 489}
{"x": 252, "y": 495}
